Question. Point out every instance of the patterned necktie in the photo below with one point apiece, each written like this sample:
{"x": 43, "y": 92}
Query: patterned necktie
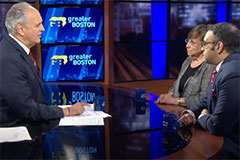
{"x": 213, "y": 76}
{"x": 34, "y": 63}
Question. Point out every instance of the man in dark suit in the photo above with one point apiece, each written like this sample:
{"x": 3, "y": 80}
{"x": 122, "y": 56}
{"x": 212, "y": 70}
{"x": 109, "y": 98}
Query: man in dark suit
{"x": 219, "y": 111}
{"x": 22, "y": 99}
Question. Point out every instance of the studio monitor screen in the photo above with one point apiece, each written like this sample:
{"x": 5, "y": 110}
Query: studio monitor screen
{"x": 72, "y": 63}
{"x": 65, "y": 25}
{"x": 66, "y": 2}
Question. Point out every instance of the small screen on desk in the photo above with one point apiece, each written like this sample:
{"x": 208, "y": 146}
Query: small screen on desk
{"x": 72, "y": 63}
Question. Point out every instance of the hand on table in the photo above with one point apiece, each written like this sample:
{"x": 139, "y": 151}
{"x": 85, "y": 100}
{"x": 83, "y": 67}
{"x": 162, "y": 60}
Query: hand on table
{"x": 167, "y": 99}
{"x": 204, "y": 111}
{"x": 75, "y": 109}
{"x": 187, "y": 119}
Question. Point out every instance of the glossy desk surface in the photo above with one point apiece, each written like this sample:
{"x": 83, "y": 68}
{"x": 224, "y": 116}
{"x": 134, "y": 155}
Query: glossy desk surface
{"x": 133, "y": 132}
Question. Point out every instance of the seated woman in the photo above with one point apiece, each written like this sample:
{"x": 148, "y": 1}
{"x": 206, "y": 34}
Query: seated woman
{"x": 194, "y": 76}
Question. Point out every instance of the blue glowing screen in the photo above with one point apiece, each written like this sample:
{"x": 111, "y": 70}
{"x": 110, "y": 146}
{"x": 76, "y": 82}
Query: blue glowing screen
{"x": 72, "y": 63}
{"x": 72, "y": 25}
{"x": 79, "y": 2}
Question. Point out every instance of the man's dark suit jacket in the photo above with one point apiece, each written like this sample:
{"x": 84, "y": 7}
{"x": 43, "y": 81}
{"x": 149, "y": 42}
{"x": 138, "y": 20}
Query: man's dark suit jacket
{"x": 223, "y": 100}
{"x": 21, "y": 93}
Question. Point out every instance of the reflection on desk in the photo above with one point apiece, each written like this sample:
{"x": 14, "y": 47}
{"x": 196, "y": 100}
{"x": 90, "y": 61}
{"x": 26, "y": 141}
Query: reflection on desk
{"x": 149, "y": 144}
{"x": 130, "y": 116}
{"x": 174, "y": 137}
{"x": 21, "y": 150}
{"x": 135, "y": 131}
{"x": 30, "y": 149}
{"x": 75, "y": 143}
{"x": 89, "y": 143}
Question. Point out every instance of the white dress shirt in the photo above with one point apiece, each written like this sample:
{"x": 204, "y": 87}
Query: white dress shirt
{"x": 25, "y": 48}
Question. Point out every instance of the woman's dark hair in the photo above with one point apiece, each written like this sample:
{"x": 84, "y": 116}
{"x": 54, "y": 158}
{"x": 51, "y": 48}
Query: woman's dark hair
{"x": 198, "y": 32}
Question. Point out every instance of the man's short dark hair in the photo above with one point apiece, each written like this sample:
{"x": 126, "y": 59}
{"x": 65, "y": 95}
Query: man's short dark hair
{"x": 228, "y": 34}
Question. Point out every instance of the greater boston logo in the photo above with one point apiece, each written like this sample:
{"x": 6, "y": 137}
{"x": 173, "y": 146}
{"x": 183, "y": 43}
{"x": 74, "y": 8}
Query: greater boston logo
{"x": 76, "y": 22}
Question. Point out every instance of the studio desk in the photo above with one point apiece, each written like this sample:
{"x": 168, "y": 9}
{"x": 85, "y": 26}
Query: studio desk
{"x": 135, "y": 131}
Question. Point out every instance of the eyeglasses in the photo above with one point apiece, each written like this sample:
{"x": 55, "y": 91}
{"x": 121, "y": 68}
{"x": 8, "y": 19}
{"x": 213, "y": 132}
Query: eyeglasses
{"x": 191, "y": 42}
{"x": 204, "y": 44}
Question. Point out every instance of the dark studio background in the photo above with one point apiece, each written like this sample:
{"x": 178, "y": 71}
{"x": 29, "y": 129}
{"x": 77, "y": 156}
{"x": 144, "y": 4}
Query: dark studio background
{"x": 149, "y": 34}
